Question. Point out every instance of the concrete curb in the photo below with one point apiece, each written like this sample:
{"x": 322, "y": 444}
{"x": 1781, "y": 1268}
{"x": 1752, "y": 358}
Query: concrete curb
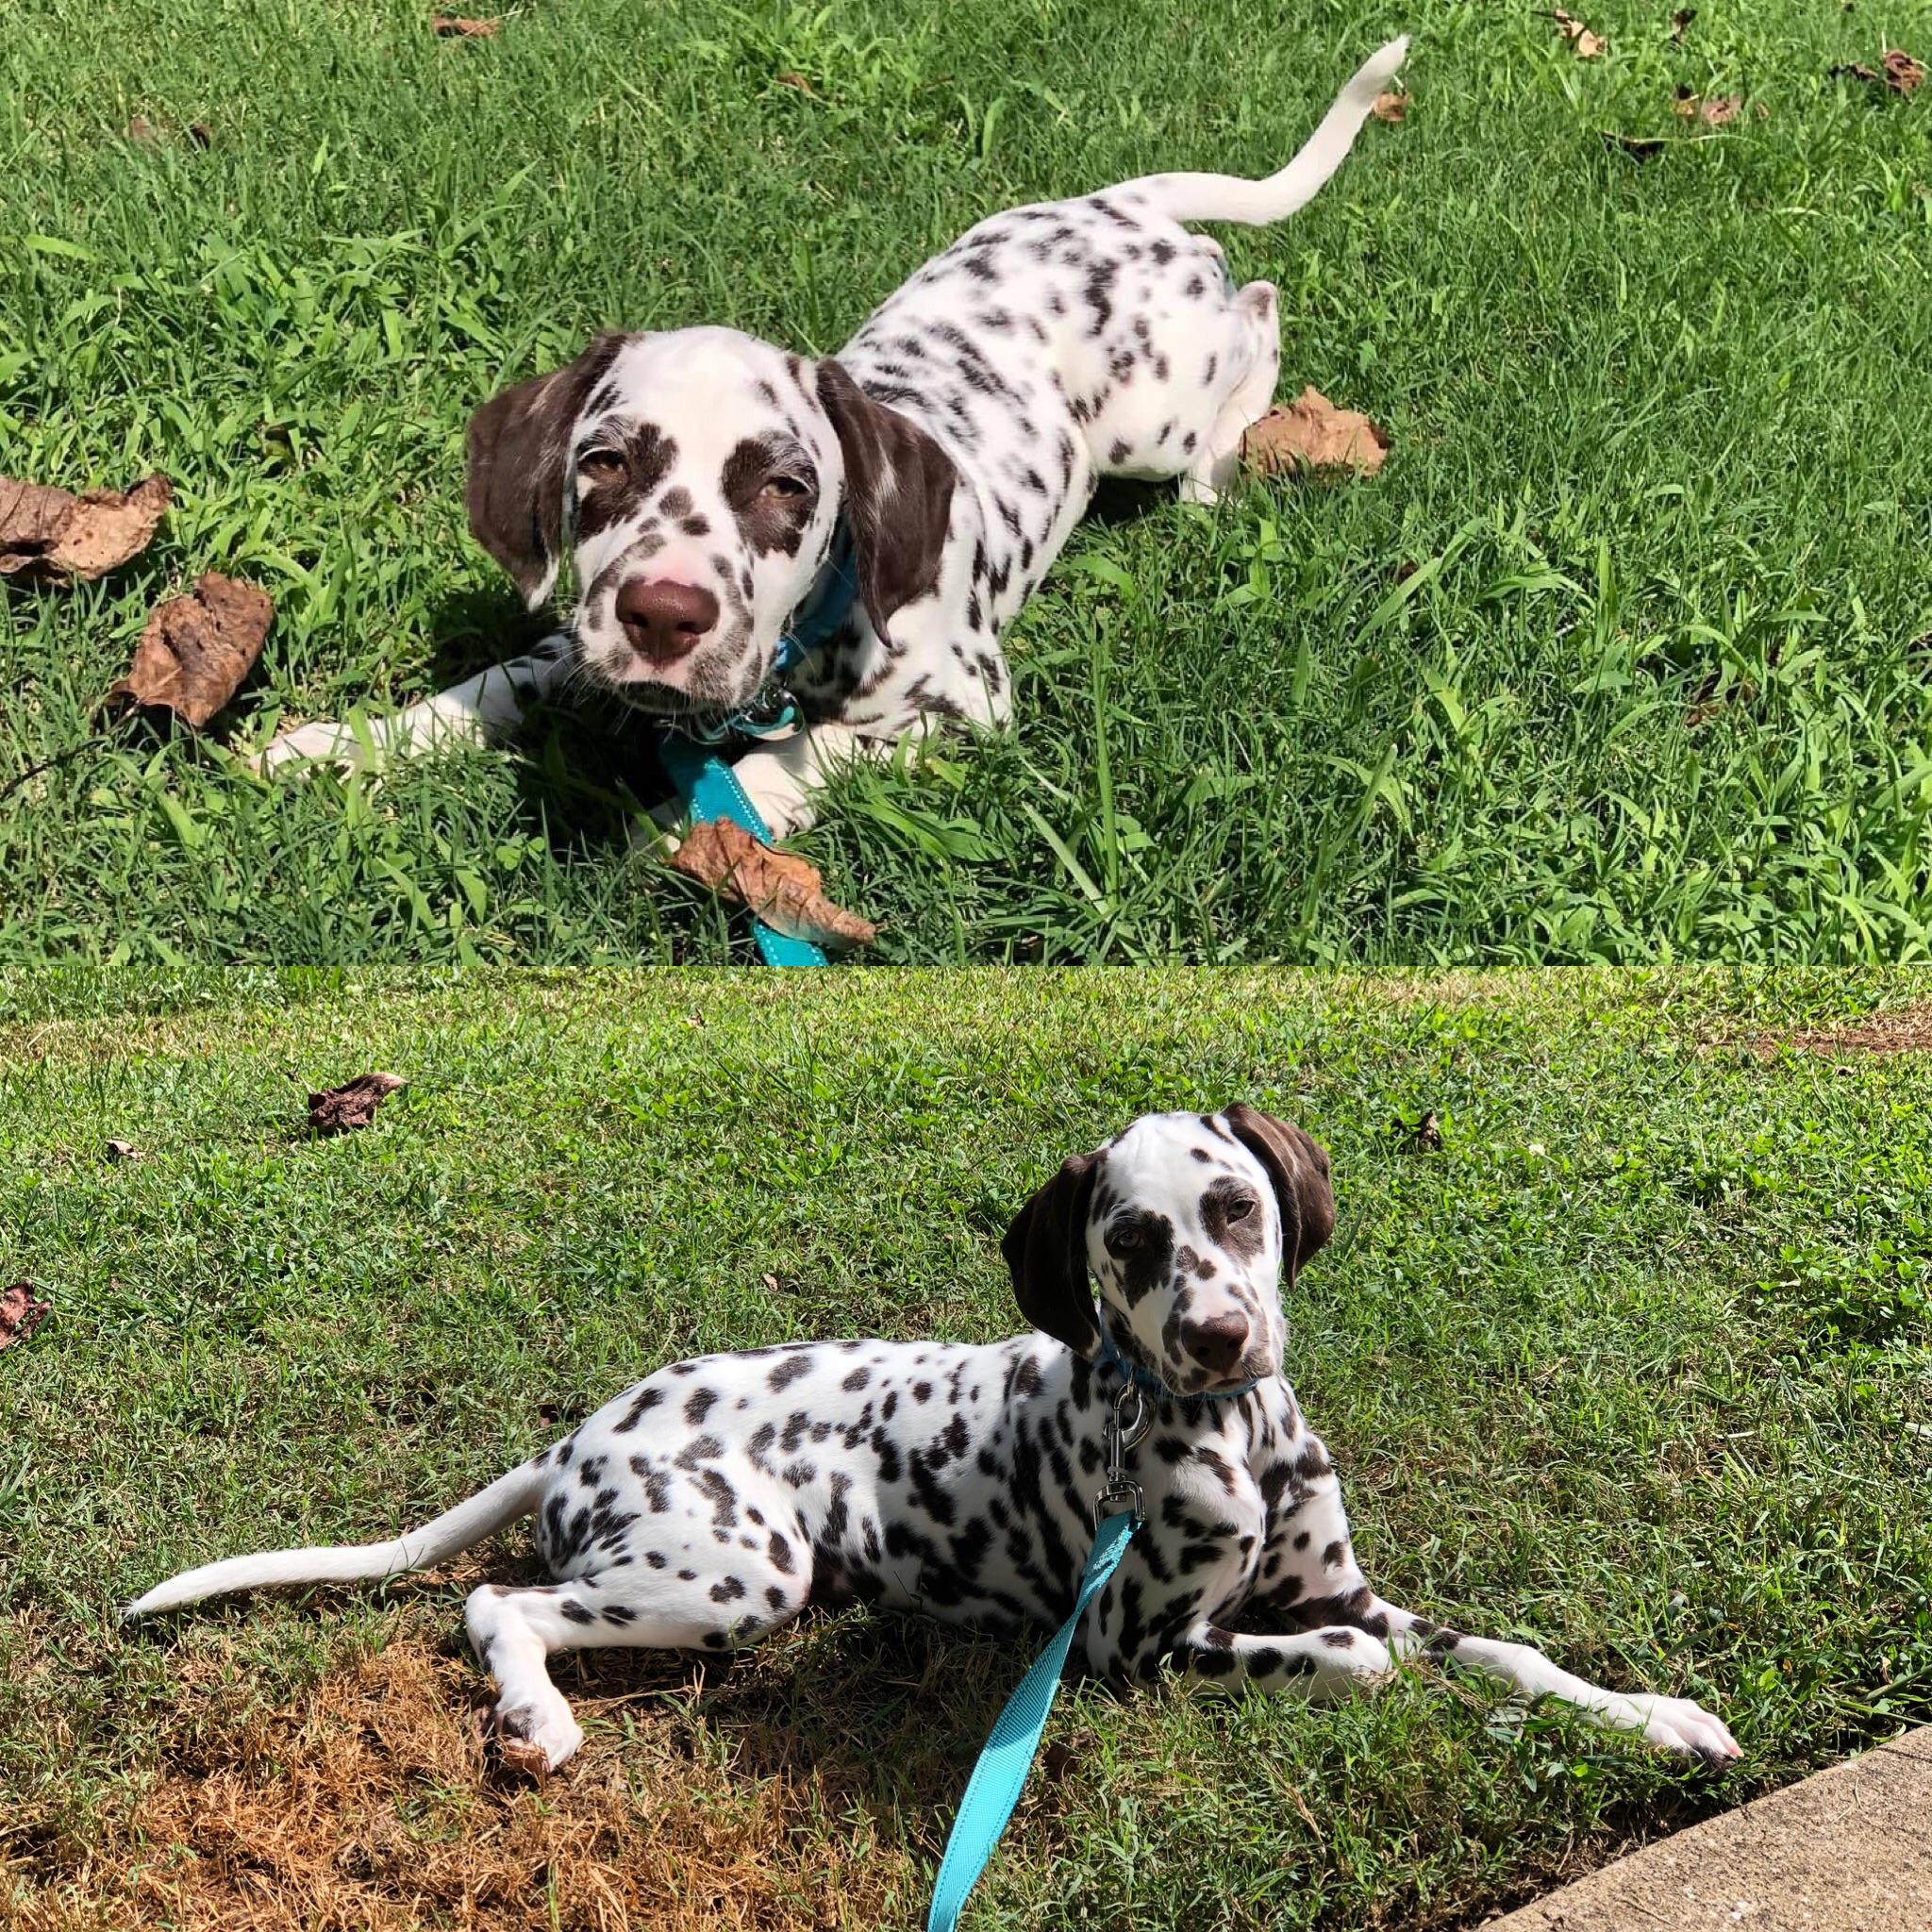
{"x": 1849, "y": 1850}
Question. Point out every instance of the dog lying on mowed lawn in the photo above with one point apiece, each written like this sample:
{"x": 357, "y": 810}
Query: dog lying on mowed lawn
{"x": 699, "y": 477}
{"x": 708, "y": 1505}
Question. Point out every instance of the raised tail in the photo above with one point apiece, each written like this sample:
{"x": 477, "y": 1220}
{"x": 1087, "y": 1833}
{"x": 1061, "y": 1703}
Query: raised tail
{"x": 486, "y": 1511}
{"x": 1228, "y": 198}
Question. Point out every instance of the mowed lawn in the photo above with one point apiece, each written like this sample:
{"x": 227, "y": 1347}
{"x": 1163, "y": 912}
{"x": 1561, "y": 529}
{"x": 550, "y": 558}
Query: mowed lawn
{"x": 1635, "y": 1365}
{"x": 1622, "y": 656}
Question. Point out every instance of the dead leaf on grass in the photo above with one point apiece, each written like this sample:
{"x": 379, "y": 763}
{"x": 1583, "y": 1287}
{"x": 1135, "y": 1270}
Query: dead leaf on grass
{"x": 1899, "y": 73}
{"x": 147, "y": 134}
{"x": 1310, "y": 433}
{"x": 1428, "y": 1133}
{"x": 124, "y": 1150}
{"x": 53, "y": 536}
{"x": 1720, "y": 111}
{"x": 1588, "y": 46}
{"x": 785, "y": 891}
{"x": 1390, "y": 107}
{"x": 196, "y": 649}
{"x": 353, "y": 1105}
{"x": 1679, "y": 21}
{"x": 798, "y": 81}
{"x": 448, "y": 26}
{"x": 1639, "y": 147}
{"x": 19, "y": 1314}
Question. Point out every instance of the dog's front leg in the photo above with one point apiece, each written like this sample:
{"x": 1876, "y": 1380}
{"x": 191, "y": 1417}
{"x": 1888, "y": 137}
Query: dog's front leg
{"x": 1666, "y": 1723}
{"x": 480, "y": 709}
{"x": 1314, "y": 1664}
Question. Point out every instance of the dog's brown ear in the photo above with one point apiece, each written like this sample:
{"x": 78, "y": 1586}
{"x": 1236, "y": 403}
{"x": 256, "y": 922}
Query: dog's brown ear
{"x": 1046, "y": 1250}
{"x": 518, "y": 445}
{"x": 898, "y": 496}
{"x": 1298, "y": 1167}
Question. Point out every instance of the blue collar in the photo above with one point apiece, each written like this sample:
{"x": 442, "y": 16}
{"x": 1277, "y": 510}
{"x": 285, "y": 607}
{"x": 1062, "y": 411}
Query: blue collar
{"x": 1146, "y": 1380}
{"x": 827, "y": 606}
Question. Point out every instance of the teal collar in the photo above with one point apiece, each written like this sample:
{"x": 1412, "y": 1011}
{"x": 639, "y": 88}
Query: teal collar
{"x": 827, "y": 606}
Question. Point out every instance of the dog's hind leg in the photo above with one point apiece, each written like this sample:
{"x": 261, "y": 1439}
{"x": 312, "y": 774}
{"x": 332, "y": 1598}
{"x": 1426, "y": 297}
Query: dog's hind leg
{"x": 674, "y": 1589}
{"x": 1257, "y": 312}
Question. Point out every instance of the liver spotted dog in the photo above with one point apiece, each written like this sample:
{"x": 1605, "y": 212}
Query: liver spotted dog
{"x": 714, "y": 1500}
{"x": 706, "y": 485}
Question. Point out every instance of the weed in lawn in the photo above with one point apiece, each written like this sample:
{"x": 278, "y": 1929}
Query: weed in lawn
{"x": 1613, "y": 660}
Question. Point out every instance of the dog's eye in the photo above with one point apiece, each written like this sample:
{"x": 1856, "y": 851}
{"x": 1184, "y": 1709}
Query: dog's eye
{"x": 1123, "y": 1239}
{"x": 1240, "y": 1209}
{"x": 789, "y": 488}
{"x": 601, "y": 465}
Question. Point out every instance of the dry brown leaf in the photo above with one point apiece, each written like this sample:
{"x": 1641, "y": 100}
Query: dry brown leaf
{"x": 19, "y": 1314}
{"x": 1389, "y": 107}
{"x": 1719, "y": 112}
{"x": 449, "y": 28}
{"x": 1903, "y": 74}
{"x": 798, "y": 81}
{"x": 1588, "y": 46}
{"x": 785, "y": 891}
{"x": 124, "y": 1150}
{"x": 53, "y": 536}
{"x": 196, "y": 650}
{"x": 1900, "y": 74}
{"x": 1639, "y": 147}
{"x": 352, "y": 1104}
{"x": 1310, "y": 433}
{"x": 1679, "y": 21}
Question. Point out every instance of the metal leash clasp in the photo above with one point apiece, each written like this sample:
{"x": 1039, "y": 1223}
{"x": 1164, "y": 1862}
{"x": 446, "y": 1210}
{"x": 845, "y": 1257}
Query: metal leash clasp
{"x": 1120, "y": 1436}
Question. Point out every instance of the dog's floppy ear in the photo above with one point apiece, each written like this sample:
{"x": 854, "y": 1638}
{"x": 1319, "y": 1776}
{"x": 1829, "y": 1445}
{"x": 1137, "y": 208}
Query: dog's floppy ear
{"x": 898, "y": 496}
{"x": 1298, "y": 1168}
{"x": 518, "y": 445}
{"x": 1046, "y": 1250}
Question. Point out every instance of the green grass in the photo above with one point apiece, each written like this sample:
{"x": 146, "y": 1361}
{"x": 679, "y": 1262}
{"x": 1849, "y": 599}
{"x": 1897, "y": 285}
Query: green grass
{"x": 1637, "y": 1366}
{"x": 1623, "y": 657}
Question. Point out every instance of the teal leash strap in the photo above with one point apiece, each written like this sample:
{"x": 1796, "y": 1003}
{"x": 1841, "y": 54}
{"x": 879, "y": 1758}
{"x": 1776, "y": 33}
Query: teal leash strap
{"x": 997, "y": 1779}
{"x": 999, "y": 1776}
{"x": 711, "y": 789}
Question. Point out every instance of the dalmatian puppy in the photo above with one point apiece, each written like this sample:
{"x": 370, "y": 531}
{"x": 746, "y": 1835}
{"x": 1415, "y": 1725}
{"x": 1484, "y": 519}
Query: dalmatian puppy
{"x": 705, "y": 487}
{"x": 711, "y": 1502}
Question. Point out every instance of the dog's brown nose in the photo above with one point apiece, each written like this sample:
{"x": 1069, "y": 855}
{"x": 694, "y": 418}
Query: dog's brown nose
{"x": 662, "y": 620}
{"x": 1216, "y": 1344}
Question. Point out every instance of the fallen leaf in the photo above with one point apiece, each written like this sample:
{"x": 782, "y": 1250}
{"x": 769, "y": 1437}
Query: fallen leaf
{"x": 448, "y": 27}
{"x": 1310, "y": 433}
{"x": 1389, "y": 107}
{"x": 1428, "y": 1133}
{"x": 352, "y": 1104}
{"x": 1901, "y": 75}
{"x": 1719, "y": 112}
{"x": 1679, "y": 21}
{"x": 1640, "y": 147}
{"x": 196, "y": 650}
{"x": 1589, "y": 46}
{"x": 785, "y": 891}
{"x": 50, "y": 535}
{"x": 19, "y": 1314}
{"x": 798, "y": 81}
{"x": 124, "y": 1150}
{"x": 772, "y": 1282}
{"x": 144, "y": 131}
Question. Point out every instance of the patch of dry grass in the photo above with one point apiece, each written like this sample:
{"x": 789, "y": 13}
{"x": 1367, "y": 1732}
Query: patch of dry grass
{"x": 374, "y": 1802}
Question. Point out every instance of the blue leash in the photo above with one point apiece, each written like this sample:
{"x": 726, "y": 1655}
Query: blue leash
{"x": 995, "y": 1787}
{"x": 1000, "y": 1775}
{"x": 694, "y": 763}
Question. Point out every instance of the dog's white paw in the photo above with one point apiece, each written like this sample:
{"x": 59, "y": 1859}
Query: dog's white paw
{"x": 539, "y": 1736}
{"x": 1677, "y": 1724}
{"x": 323, "y": 742}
